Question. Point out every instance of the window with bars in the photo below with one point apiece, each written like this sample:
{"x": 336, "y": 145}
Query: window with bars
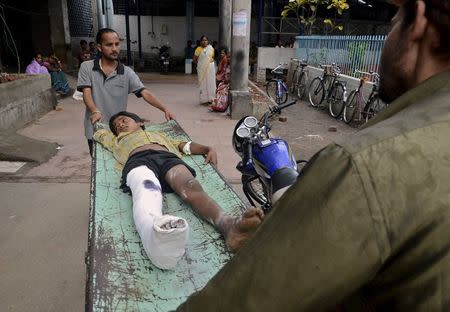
{"x": 80, "y": 18}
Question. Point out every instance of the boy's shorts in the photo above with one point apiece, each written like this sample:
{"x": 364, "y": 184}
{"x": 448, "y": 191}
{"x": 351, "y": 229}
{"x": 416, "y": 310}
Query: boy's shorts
{"x": 158, "y": 161}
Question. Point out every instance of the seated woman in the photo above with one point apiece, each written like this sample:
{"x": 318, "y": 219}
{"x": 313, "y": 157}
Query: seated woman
{"x": 36, "y": 66}
{"x": 59, "y": 81}
{"x": 220, "y": 102}
{"x": 153, "y": 165}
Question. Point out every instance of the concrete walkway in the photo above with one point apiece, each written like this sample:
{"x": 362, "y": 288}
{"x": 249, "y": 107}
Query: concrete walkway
{"x": 44, "y": 213}
{"x": 45, "y": 210}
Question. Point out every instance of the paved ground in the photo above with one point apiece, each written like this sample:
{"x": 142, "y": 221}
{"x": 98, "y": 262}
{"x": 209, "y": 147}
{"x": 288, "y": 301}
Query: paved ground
{"x": 44, "y": 210}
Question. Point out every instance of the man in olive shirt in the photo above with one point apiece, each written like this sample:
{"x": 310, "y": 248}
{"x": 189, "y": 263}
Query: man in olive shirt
{"x": 367, "y": 226}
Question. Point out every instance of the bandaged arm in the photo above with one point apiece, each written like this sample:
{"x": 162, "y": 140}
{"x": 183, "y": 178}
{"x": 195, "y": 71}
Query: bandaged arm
{"x": 199, "y": 149}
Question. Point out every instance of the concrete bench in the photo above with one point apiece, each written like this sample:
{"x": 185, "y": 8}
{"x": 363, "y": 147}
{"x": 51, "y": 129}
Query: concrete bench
{"x": 25, "y": 100}
{"x": 120, "y": 277}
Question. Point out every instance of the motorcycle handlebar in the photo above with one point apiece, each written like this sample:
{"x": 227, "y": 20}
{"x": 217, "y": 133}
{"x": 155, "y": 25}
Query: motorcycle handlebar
{"x": 279, "y": 108}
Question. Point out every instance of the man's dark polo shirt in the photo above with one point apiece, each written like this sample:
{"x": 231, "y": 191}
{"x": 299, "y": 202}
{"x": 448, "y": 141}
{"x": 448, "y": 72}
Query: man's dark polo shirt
{"x": 110, "y": 93}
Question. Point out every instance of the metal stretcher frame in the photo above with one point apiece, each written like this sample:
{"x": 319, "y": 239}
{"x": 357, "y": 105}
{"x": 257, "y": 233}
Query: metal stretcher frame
{"x": 120, "y": 277}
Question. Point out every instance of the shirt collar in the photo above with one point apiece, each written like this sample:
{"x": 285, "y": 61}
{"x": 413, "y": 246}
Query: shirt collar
{"x": 120, "y": 67}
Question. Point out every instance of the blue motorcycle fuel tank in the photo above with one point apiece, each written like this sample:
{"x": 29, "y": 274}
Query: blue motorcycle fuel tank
{"x": 272, "y": 154}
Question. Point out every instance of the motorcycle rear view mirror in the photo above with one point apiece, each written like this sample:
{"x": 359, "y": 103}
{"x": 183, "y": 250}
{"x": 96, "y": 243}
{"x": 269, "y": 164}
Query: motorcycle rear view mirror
{"x": 250, "y": 122}
{"x": 243, "y": 132}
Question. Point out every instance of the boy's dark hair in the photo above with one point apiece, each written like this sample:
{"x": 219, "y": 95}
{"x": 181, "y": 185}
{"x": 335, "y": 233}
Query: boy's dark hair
{"x": 83, "y": 42}
{"x": 123, "y": 113}
{"x": 37, "y": 53}
{"x": 102, "y": 31}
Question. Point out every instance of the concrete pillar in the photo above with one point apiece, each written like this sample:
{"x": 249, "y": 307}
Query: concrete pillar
{"x": 100, "y": 17}
{"x": 241, "y": 104}
{"x": 225, "y": 11}
{"x": 109, "y": 11}
{"x": 190, "y": 20}
{"x": 60, "y": 32}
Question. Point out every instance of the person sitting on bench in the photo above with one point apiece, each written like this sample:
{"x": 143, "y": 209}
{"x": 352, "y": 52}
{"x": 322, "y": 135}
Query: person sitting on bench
{"x": 152, "y": 165}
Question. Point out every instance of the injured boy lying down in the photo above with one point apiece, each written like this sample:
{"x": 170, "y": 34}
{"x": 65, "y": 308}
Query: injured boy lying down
{"x": 152, "y": 165}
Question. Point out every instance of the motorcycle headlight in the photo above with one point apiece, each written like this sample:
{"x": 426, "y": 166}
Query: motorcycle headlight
{"x": 243, "y": 132}
{"x": 250, "y": 122}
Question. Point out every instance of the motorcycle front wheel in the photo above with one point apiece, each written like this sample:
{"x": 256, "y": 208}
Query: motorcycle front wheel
{"x": 255, "y": 190}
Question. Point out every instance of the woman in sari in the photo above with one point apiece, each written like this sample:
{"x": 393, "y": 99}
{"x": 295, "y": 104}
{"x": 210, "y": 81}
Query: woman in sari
{"x": 220, "y": 103}
{"x": 206, "y": 71}
{"x": 59, "y": 81}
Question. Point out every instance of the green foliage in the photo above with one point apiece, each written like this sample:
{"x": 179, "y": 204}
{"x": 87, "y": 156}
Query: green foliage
{"x": 306, "y": 11}
{"x": 356, "y": 51}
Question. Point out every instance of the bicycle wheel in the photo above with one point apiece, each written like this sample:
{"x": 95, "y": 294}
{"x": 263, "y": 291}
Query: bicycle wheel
{"x": 255, "y": 189}
{"x": 271, "y": 89}
{"x": 316, "y": 92}
{"x": 336, "y": 102}
{"x": 350, "y": 106}
{"x": 373, "y": 107}
{"x": 284, "y": 94}
{"x": 301, "y": 85}
{"x": 294, "y": 81}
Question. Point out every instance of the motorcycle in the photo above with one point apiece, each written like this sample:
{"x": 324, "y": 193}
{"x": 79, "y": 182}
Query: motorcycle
{"x": 164, "y": 58}
{"x": 267, "y": 165}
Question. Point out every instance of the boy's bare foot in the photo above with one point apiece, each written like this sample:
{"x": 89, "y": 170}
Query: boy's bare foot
{"x": 174, "y": 224}
{"x": 242, "y": 228}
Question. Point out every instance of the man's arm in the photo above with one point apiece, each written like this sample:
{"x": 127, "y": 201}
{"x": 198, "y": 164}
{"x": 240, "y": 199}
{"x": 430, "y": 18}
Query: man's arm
{"x": 153, "y": 100}
{"x": 199, "y": 149}
{"x": 137, "y": 87}
{"x": 84, "y": 84}
{"x": 96, "y": 115}
{"x": 317, "y": 246}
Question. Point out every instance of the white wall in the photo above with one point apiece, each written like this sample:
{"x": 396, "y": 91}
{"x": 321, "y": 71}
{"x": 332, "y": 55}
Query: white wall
{"x": 272, "y": 57}
{"x": 176, "y": 31}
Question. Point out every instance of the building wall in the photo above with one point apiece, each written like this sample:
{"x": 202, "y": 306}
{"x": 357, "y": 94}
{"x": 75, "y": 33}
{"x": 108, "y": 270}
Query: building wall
{"x": 174, "y": 36}
{"x": 176, "y": 31}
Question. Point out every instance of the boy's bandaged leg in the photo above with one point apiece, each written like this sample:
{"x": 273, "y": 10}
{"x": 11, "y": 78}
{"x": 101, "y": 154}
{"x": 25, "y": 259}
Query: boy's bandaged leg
{"x": 164, "y": 237}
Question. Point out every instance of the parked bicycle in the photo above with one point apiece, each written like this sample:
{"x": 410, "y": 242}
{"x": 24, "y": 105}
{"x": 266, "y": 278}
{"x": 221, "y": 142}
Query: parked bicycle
{"x": 276, "y": 88}
{"x": 358, "y": 105}
{"x": 299, "y": 79}
{"x": 328, "y": 89}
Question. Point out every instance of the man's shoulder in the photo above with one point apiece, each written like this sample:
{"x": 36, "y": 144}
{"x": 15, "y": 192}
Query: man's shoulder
{"x": 87, "y": 65}
{"x": 128, "y": 70}
{"x": 402, "y": 128}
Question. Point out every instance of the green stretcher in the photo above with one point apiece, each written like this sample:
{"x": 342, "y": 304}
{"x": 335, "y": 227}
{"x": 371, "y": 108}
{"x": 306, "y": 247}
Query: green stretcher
{"x": 120, "y": 277}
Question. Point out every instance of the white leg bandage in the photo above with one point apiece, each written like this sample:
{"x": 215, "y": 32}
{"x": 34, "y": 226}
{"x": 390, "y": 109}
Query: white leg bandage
{"x": 164, "y": 236}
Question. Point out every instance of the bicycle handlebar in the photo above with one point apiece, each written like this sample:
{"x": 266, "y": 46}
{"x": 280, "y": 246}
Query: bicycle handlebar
{"x": 371, "y": 73}
{"x": 336, "y": 69}
{"x": 278, "y": 67}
